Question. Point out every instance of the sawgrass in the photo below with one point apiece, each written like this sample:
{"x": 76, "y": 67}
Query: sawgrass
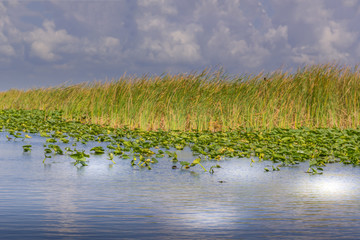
{"x": 313, "y": 96}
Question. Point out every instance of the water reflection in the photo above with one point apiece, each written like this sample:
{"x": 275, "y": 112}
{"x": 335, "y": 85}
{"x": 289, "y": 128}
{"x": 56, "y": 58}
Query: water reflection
{"x": 107, "y": 200}
{"x": 337, "y": 182}
{"x": 61, "y": 210}
{"x": 333, "y": 186}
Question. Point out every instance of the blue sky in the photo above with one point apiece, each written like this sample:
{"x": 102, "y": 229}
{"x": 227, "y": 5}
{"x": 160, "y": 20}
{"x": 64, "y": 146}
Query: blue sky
{"x": 47, "y": 43}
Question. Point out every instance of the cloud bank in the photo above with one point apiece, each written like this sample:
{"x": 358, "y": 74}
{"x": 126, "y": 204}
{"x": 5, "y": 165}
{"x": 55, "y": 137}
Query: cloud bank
{"x": 44, "y": 43}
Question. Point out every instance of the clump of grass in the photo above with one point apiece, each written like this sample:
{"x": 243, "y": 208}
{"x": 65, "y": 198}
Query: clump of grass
{"x": 313, "y": 96}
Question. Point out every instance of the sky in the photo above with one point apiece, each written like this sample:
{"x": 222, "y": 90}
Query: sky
{"x": 49, "y": 43}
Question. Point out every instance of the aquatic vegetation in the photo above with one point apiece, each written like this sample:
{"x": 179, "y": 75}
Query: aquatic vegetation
{"x": 187, "y": 165}
{"x": 27, "y": 148}
{"x": 80, "y": 157}
{"x": 311, "y": 114}
{"x": 314, "y": 96}
{"x": 211, "y": 170}
{"x": 98, "y": 150}
{"x": 284, "y": 147}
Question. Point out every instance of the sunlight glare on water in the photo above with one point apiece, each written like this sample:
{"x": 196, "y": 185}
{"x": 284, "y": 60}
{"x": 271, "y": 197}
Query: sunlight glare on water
{"x": 334, "y": 186}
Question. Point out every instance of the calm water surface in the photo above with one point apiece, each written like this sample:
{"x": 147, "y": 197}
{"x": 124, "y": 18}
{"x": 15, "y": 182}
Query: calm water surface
{"x": 116, "y": 201}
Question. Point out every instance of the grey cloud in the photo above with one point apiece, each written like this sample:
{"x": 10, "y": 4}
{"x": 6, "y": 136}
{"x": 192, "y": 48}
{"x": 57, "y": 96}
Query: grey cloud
{"x": 163, "y": 40}
{"x": 315, "y": 34}
{"x": 8, "y": 35}
{"x": 242, "y": 34}
{"x": 350, "y": 3}
{"x": 108, "y": 38}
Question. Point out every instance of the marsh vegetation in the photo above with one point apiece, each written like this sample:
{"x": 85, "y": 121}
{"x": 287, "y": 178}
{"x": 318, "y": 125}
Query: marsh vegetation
{"x": 313, "y": 96}
{"x": 309, "y": 115}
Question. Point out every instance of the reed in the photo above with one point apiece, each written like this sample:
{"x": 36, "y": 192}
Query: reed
{"x": 324, "y": 95}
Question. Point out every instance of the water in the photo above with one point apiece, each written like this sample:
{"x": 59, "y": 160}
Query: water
{"x": 116, "y": 201}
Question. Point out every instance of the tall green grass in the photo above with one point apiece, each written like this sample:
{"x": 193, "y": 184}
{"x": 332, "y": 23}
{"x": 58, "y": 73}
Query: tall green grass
{"x": 325, "y": 95}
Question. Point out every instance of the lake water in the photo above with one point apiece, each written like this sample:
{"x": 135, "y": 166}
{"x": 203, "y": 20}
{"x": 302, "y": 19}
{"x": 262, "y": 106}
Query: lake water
{"x": 117, "y": 201}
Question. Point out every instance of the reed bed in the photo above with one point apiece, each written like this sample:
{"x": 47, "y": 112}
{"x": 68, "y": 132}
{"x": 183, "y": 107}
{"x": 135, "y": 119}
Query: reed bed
{"x": 314, "y": 96}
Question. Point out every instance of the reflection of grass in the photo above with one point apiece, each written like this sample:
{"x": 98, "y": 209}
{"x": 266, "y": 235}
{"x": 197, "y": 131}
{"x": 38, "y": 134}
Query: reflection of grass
{"x": 313, "y": 96}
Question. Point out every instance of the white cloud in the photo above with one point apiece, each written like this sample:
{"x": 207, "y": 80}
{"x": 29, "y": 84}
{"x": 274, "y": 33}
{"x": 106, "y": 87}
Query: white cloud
{"x": 242, "y": 34}
{"x": 315, "y": 33}
{"x": 50, "y": 44}
{"x": 239, "y": 50}
{"x": 182, "y": 45}
{"x": 104, "y": 48}
{"x": 110, "y": 42}
{"x": 5, "y": 48}
{"x": 43, "y": 50}
{"x": 274, "y": 35}
{"x": 312, "y": 12}
{"x": 303, "y": 55}
{"x": 164, "y": 41}
{"x": 46, "y": 41}
{"x": 8, "y": 34}
{"x": 333, "y": 39}
{"x": 99, "y": 17}
{"x": 148, "y": 22}
{"x": 108, "y": 46}
{"x": 174, "y": 46}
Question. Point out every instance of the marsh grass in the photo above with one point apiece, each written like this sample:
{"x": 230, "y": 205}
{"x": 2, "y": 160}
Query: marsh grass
{"x": 313, "y": 96}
